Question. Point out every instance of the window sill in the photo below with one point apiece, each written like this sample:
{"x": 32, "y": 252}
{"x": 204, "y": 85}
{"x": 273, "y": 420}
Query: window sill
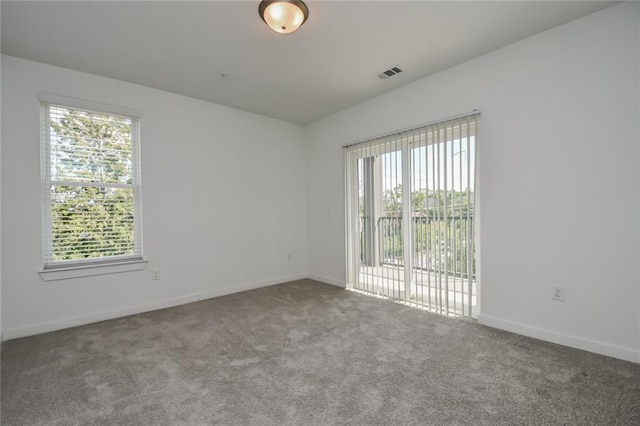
{"x": 91, "y": 270}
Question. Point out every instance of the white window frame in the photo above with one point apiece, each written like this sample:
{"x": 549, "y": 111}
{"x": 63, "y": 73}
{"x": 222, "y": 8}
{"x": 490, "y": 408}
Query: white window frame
{"x": 58, "y": 270}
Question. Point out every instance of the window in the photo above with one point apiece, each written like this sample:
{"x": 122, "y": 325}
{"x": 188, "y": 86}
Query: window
{"x": 411, "y": 217}
{"x": 90, "y": 183}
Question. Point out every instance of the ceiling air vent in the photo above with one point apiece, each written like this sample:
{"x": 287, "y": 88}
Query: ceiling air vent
{"x": 389, "y": 73}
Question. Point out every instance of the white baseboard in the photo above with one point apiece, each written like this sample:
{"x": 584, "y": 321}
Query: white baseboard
{"x": 615, "y": 351}
{"x": 607, "y": 349}
{"x": 332, "y": 281}
{"x": 30, "y": 330}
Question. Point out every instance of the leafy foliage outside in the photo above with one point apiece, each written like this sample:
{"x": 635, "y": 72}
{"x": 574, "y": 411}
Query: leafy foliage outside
{"x": 429, "y": 229}
{"x": 429, "y": 203}
{"x": 89, "y": 220}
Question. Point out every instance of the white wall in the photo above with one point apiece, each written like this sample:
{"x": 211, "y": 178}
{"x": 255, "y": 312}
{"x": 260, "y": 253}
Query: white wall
{"x": 222, "y": 207}
{"x": 638, "y": 120}
{"x": 0, "y": 201}
{"x": 559, "y": 164}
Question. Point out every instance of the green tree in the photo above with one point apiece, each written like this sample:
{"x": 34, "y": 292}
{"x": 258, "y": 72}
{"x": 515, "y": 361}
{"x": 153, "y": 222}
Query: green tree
{"x": 429, "y": 228}
{"x": 392, "y": 201}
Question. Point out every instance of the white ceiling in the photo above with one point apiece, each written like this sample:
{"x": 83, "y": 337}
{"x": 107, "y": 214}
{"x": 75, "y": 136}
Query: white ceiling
{"x": 330, "y": 64}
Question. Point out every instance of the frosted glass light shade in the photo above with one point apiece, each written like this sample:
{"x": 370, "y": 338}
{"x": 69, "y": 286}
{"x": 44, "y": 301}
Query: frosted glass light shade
{"x": 283, "y": 16}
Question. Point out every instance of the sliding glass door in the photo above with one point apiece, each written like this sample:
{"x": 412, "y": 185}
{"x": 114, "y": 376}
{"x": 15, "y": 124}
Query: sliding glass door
{"x": 410, "y": 216}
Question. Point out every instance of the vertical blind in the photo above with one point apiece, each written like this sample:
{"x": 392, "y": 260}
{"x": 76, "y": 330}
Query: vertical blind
{"x": 91, "y": 186}
{"x": 410, "y": 216}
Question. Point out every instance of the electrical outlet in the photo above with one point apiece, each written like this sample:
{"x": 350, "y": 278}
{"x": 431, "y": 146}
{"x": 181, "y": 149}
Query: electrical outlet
{"x": 288, "y": 256}
{"x": 557, "y": 293}
{"x": 155, "y": 275}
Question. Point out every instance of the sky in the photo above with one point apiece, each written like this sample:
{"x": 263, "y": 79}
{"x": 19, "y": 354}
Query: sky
{"x": 429, "y": 168}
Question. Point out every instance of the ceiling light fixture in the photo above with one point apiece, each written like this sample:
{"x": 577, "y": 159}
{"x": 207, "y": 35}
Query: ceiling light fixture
{"x": 283, "y": 16}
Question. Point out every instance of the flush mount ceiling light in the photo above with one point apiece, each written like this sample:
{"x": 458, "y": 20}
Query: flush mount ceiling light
{"x": 283, "y": 16}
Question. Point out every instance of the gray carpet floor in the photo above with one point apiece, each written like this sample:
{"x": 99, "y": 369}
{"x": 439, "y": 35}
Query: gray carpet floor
{"x": 307, "y": 353}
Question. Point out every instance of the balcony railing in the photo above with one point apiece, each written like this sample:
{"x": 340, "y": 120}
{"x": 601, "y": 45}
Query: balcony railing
{"x": 439, "y": 244}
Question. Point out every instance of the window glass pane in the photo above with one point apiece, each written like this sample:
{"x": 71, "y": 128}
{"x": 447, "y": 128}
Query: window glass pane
{"x": 89, "y": 147}
{"x": 91, "y": 222}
